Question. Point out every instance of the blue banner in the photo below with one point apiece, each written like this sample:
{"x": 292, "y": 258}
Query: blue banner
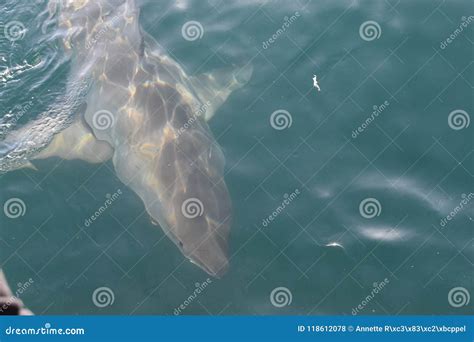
{"x": 238, "y": 328}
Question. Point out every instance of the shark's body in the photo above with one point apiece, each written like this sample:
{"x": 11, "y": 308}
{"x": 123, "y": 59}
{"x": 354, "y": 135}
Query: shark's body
{"x": 144, "y": 112}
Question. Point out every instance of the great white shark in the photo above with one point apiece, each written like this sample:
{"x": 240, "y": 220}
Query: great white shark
{"x": 145, "y": 113}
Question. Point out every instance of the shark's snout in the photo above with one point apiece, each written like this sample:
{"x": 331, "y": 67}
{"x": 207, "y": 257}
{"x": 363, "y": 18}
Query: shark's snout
{"x": 214, "y": 263}
{"x": 202, "y": 229}
{"x": 210, "y": 253}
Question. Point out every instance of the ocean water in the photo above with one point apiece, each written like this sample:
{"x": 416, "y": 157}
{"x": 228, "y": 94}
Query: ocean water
{"x": 355, "y": 199}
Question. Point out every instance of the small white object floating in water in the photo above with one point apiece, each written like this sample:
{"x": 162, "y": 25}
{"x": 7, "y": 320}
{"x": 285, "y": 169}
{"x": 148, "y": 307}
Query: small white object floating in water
{"x": 315, "y": 83}
{"x": 335, "y": 244}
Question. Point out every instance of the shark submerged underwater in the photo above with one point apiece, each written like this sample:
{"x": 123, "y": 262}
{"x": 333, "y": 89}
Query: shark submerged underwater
{"x": 142, "y": 111}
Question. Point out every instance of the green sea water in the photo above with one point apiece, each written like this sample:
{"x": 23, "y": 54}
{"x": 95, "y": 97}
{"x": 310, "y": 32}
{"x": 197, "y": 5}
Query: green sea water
{"x": 355, "y": 199}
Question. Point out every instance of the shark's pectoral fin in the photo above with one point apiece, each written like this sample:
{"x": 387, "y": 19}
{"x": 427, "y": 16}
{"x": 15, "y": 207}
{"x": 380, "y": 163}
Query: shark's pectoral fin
{"x": 77, "y": 142}
{"x": 214, "y": 88}
{"x": 28, "y": 165}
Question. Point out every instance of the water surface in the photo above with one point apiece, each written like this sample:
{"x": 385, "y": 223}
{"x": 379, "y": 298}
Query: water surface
{"x": 359, "y": 179}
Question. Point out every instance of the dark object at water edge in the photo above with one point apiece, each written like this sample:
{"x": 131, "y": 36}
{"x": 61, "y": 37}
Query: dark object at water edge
{"x": 9, "y": 304}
